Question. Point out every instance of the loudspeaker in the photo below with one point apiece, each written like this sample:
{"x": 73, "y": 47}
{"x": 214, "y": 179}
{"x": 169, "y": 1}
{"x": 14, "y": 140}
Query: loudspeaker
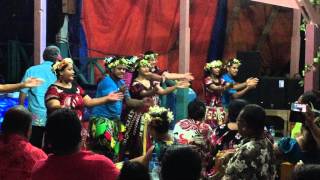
{"x": 250, "y": 67}
{"x": 272, "y": 92}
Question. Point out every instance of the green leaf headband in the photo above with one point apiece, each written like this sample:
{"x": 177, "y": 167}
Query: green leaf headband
{"x": 155, "y": 112}
{"x": 114, "y": 63}
{"x": 213, "y": 64}
{"x": 234, "y": 61}
{"x": 150, "y": 56}
{"x": 143, "y": 63}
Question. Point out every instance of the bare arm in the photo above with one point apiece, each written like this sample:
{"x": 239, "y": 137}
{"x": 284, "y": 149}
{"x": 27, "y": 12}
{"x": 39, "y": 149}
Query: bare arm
{"x": 30, "y": 82}
{"x": 314, "y": 129}
{"x": 22, "y": 98}
{"x": 53, "y": 104}
{"x": 90, "y": 102}
{"x": 178, "y": 76}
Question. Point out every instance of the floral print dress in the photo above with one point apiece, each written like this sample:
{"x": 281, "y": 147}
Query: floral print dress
{"x": 215, "y": 113}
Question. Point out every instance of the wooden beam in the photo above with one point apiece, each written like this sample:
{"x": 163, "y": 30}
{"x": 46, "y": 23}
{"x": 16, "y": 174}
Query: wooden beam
{"x": 40, "y": 29}
{"x": 311, "y": 79}
{"x": 309, "y": 12}
{"x": 184, "y": 37}
{"x": 295, "y": 43}
{"x": 284, "y": 3}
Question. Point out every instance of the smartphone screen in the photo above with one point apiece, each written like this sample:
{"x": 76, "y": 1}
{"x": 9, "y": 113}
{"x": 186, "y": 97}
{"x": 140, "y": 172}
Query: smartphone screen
{"x": 296, "y": 112}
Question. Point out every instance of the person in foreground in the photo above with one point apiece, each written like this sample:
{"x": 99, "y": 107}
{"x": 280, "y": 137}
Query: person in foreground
{"x": 181, "y": 162}
{"x": 254, "y": 159}
{"x": 17, "y": 155}
{"x": 63, "y": 133}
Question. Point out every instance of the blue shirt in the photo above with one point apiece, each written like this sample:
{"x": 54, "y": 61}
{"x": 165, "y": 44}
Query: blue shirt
{"x": 36, "y": 102}
{"x": 226, "y": 96}
{"x": 110, "y": 110}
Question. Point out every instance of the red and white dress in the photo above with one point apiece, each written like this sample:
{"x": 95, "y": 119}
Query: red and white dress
{"x": 215, "y": 112}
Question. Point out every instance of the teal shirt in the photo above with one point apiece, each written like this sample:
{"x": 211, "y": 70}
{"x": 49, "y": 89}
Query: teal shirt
{"x": 36, "y": 102}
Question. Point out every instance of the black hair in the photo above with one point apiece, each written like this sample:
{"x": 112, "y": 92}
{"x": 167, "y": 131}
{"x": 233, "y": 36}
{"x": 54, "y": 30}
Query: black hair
{"x": 196, "y": 109}
{"x": 17, "y": 120}
{"x": 133, "y": 171}
{"x": 148, "y": 52}
{"x": 306, "y": 172}
{"x": 235, "y": 108}
{"x": 310, "y": 98}
{"x": 181, "y": 162}
{"x": 60, "y": 70}
{"x": 63, "y": 131}
{"x": 161, "y": 125}
{"x": 254, "y": 116}
{"x": 51, "y": 53}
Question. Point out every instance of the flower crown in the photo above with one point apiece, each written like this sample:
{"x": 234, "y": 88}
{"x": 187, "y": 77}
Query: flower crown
{"x": 149, "y": 57}
{"x": 114, "y": 62}
{"x": 155, "y": 113}
{"x": 58, "y": 65}
{"x": 143, "y": 63}
{"x": 213, "y": 64}
{"x": 233, "y": 61}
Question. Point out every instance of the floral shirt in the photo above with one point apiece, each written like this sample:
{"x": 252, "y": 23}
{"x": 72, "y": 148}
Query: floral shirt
{"x": 253, "y": 160}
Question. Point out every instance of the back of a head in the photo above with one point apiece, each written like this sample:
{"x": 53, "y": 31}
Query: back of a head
{"x": 311, "y": 98}
{"x": 235, "y": 108}
{"x": 254, "y": 116}
{"x": 51, "y": 53}
{"x": 133, "y": 171}
{"x": 196, "y": 109}
{"x": 181, "y": 162}
{"x": 306, "y": 172}
{"x": 17, "y": 120}
{"x": 63, "y": 131}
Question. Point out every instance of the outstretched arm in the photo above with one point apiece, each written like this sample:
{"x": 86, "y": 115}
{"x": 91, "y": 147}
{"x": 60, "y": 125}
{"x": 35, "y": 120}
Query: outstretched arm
{"x": 90, "y": 102}
{"x": 28, "y": 83}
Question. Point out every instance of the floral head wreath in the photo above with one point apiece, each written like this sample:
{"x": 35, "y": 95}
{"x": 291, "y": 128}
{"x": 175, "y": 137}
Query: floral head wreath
{"x": 113, "y": 62}
{"x": 155, "y": 113}
{"x": 143, "y": 63}
{"x": 149, "y": 57}
{"x": 233, "y": 61}
{"x": 58, "y": 65}
{"x": 213, "y": 64}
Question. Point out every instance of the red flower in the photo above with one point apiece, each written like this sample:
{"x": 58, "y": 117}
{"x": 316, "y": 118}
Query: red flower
{"x": 107, "y": 135}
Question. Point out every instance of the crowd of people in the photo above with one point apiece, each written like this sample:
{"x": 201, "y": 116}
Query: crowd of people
{"x": 129, "y": 136}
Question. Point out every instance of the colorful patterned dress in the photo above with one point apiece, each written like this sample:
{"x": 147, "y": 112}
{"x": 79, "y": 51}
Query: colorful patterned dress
{"x": 71, "y": 98}
{"x": 133, "y": 139}
{"x": 215, "y": 113}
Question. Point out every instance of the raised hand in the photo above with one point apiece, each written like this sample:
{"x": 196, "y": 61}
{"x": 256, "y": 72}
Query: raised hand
{"x": 188, "y": 76}
{"x": 32, "y": 82}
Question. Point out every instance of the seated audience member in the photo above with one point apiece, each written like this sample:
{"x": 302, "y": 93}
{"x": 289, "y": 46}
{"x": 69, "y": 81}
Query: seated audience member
{"x": 181, "y": 162}
{"x": 63, "y": 134}
{"x": 158, "y": 120}
{"x": 17, "y": 155}
{"x": 195, "y": 131}
{"x": 187, "y": 131}
{"x": 226, "y": 136}
{"x": 304, "y": 147}
{"x": 306, "y": 172}
{"x": 254, "y": 159}
{"x": 134, "y": 171}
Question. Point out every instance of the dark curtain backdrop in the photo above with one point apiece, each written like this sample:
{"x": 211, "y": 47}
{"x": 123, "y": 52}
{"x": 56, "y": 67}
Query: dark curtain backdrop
{"x": 132, "y": 27}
